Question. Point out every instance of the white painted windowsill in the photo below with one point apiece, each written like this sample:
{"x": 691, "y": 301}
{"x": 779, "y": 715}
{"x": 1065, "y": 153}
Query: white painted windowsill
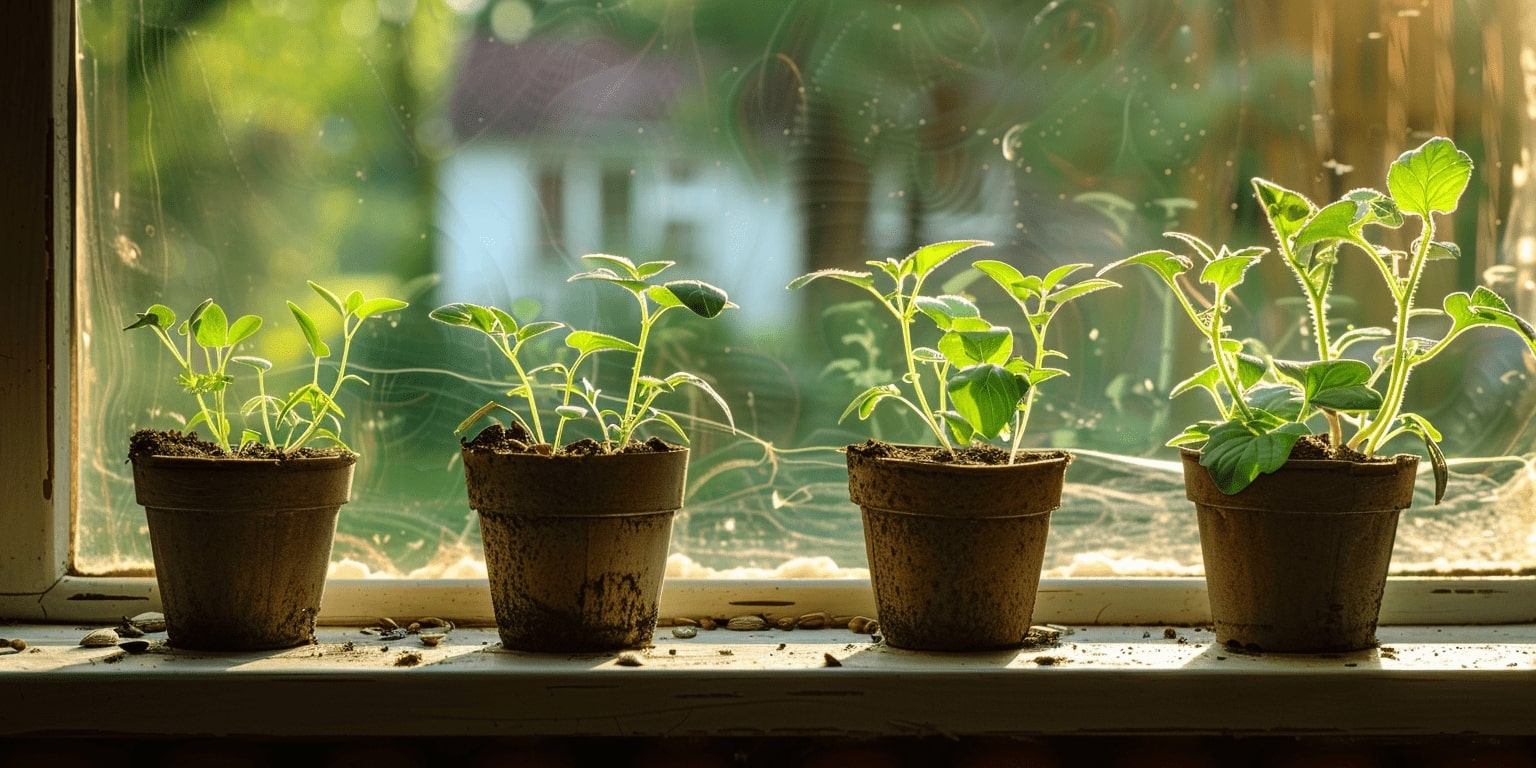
{"x": 1096, "y": 680}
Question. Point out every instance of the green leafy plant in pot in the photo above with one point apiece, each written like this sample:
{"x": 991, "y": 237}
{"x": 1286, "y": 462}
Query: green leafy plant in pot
{"x": 576, "y": 533}
{"x": 1297, "y": 528}
{"x": 241, "y": 525}
{"x": 955, "y": 533}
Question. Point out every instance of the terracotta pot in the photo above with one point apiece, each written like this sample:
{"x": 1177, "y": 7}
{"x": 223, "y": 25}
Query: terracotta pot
{"x": 955, "y": 550}
{"x": 575, "y": 546}
{"x": 241, "y": 546}
{"x": 1297, "y": 561}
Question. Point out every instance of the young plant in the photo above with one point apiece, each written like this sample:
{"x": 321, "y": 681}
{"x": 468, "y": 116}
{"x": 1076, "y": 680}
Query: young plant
{"x": 307, "y": 413}
{"x": 579, "y": 398}
{"x": 980, "y": 389}
{"x": 1263, "y": 404}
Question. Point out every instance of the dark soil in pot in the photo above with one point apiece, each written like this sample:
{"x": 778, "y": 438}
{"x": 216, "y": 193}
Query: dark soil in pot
{"x": 1297, "y": 562}
{"x": 576, "y": 540}
{"x": 241, "y": 540}
{"x": 955, "y": 542}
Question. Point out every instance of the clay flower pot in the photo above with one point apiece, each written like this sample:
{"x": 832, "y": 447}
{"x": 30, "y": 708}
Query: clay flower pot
{"x": 241, "y": 546}
{"x": 1297, "y": 561}
{"x": 955, "y": 550}
{"x": 575, "y": 546}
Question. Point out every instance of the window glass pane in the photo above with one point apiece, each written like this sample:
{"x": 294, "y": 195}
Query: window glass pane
{"x": 473, "y": 150}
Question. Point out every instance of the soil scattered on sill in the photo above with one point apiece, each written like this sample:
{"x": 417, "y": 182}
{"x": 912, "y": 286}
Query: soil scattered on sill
{"x": 155, "y": 442}
{"x": 517, "y": 439}
{"x": 980, "y": 454}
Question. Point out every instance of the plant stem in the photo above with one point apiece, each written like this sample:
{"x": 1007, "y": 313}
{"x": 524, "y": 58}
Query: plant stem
{"x": 522, "y": 376}
{"x": 904, "y": 310}
{"x": 1373, "y": 435}
{"x": 631, "y": 414}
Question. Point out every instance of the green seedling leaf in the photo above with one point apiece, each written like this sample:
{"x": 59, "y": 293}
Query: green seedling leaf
{"x": 464, "y": 315}
{"x": 505, "y": 322}
{"x": 651, "y": 269}
{"x": 249, "y": 436}
{"x": 682, "y": 377}
{"x": 1375, "y": 208}
{"x": 1281, "y": 400}
{"x": 587, "y": 342}
{"x": 1001, "y": 272}
{"x": 211, "y": 328}
{"x": 317, "y": 346}
{"x": 1235, "y": 454}
{"x": 1336, "y": 221}
{"x": 330, "y": 298}
{"x": 930, "y": 257}
{"x": 865, "y": 403}
{"x": 1226, "y": 272}
{"x": 958, "y": 426}
{"x": 1194, "y": 433}
{"x": 633, "y": 285}
{"x": 1166, "y": 264}
{"x": 671, "y": 423}
{"x": 260, "y": 364}
{"x": 1426, "y": 431}
{"x": 861, "y": 279}
{"x": 243, "y": 329}
{"x": 927, "y": 355}
{"x": 157, "y": 315}
{"x": 1029, "y": 375}
{"x": 379, "y": 306}
{"x": 190, "y": 323}
{"x": 535, "y": 329}
{"x": 1054, "y": 277}
{"x": 354, "y": 300}
{"x": 703, "y": 299}
{"x": 1286, "y": 211}
{"x": 1439, "y": 250}
{"x": 1484, "y": 307}
{"x": 1081, "y": 289}
{"x": 963, "y": 348}
{"x": 1203, "y": 249}
{"x": 1430, "y": 179}
{"x": 985, "y": 395}
{"x": 944, "y": 310}
{"x": 571, "y": 411}
{"x": 619, "y": 265}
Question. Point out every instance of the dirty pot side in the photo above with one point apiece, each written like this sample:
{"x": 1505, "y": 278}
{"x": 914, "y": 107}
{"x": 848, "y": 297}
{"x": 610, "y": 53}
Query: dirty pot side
{"x": 955, "y": 550}
{"x": 241, "y": 546}
{"x": 575, "y": 546}
{"x": 1297, "y": 562}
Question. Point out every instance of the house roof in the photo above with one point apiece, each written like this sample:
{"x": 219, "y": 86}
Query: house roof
{"x": 558, "y": 86}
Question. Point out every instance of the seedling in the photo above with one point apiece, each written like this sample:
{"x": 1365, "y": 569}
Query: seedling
{"x": 208, "y": 347}
{"x": 578, "y": 397}
{"x": 1263, "y": 404}
{"x": 980, "y": 389}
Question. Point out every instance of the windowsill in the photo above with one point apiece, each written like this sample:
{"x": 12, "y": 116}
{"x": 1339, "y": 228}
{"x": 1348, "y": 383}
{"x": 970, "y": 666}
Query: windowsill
{"x": 1097, "y": 680}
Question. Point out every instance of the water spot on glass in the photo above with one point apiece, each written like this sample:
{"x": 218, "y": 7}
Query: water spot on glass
{"x": 896, "y": 27}
{"x": 511, "y": 21}
{"x": 126, "y": 250}
{"x": 149, "y": 230}
{"x": 1338, "y": 168}
{"x": 1373, "y": 35}
{"x": 1499, "y": 274}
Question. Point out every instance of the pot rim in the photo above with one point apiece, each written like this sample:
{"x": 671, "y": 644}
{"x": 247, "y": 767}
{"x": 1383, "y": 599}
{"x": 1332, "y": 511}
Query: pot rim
{"x": 1030, "y": 458}
{"x": 159, "y": 461}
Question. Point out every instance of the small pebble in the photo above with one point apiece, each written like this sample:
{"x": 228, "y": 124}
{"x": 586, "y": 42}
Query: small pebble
{"x": 134, "y": 646}
{"x": 1169, "y": 633}
{"x": 707, "y": 623}
{"x": 863, "y": 625}
{"x": 684, "y": 621}
{"x": 101, "y": 638}
{"x": 387, "y": 623}
{"x": 684, "y": 633}
{"x": 839, "y": 622}
{"x": 149, "y": 621}
{"x": 746, "y": 624}
{"x": 816, "y": 620}
{"x": 785, "y": 622}
{"x": 828, "y": 660}
{"x": 628, "y": 660}
{"x": 407, "y": 659}
{"x": 18, "y": 644}
{"x": 432, "y": 622}
{"x": 431, "y": 639}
